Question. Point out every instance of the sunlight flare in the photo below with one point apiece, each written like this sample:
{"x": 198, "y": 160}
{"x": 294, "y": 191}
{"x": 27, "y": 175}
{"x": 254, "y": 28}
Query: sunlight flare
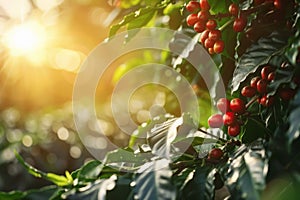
{"x": 25, "y": 39}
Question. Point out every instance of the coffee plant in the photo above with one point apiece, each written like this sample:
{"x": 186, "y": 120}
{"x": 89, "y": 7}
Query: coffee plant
{"x": 249, "y": 148}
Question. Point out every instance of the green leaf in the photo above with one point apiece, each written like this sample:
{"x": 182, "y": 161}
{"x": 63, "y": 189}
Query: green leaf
{"x": 282, "y": 77}
{"x": 134, "y": 20}
{"x": 94, "y": 190}
{"x": 56, "y": 179}
{"x": 195, "y": 141}
{"x": 122, "y": 187}
{"x": 143, "y": 129}
{"x": 183, "y": 45}
{"x": 160, "y": 138}
{"x": 126, "y": 159}
{"x": 254, "y": 129}
{"x": 42, "y": 193}
{"x": 90, "y": 171}
{"x": 13, "y": 195}
{"x": 256, "y": 55}
{"x": 292, "y": 51}
{"x": 294, "y": 120}
{"x": 246, "y": 171}
{"x": 201, "y": 186}
{"x": 35, "y": 194}
{"x": 154, "y": 182}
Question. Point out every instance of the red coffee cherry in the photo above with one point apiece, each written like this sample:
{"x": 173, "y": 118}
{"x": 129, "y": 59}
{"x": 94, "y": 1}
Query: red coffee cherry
{"x": 237, "y": 105}
{"x": 234, "y": 130}
{"x": 277, "y": 4}
{"x": 193, "y": 6}
{"x": 248, "y": 91}
{"x": 219, "y": 46}
{"x": 271, "y": 76}
{"x": 199, "y": 27}
{"x": 239, "y": 24}
{"x": 223, "y": 105}
{"x": 229, "y": 118}
{"x": 267, "y": 101}
{"x": 265, "y": 71}
{"x": 204, "y": 5}
{"x": 204, "y": 36}
{"x": 192, "y": 19}
{"x": 215, "y": 121}
{"x": 211, "y": 51}
{"x": 253, "y": 82}
{"x": 215, "y": 153}
{"x": 287, "y": 94}
{"x": 203, "y": 15}
{"x": 211, "y": 24}
{"x": 262, "y": 86}
{"x": 209, "y": 43}
{"x": 233, "y": 9}
{"x": 214, "y": 34}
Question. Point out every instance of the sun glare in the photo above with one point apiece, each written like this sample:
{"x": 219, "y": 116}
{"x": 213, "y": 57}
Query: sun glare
{"x": 25, "y": 38}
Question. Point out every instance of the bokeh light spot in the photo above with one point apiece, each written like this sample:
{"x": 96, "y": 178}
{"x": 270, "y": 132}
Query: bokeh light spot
{"x": 75, "y": 152}
{"x": 67, "y": 59}
{"x": 27, "y": 140}
{"x": 63, "y": 133}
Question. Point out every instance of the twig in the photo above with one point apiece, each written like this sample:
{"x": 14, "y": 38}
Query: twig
{"x": 214, "y": 136}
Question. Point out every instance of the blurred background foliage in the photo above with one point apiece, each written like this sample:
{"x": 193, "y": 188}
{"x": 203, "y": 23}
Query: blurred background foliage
{"x": 43, "y": 43}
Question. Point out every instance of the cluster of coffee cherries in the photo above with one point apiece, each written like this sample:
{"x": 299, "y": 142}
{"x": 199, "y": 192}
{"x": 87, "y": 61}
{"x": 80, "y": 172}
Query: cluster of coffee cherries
{"x": 240, "y": 21}
{"x": 258, "y": 87}
{"x": 231, "y": 111}
{"x": 202, "y": 22}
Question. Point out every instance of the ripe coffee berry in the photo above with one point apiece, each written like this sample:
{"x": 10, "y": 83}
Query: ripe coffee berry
{"x": 262, "y": 86}
{"x": 248, "y": 91}
{"x": 192, "y": 19}
{"x": 287, "y": 94}
{"x": 233, "y": 9}
{"x": 214, "y": 34}
{"x": 203, "y": 15}
{"x": 271, "y": 76}
{"x": 234, "y": 130}
{"x": 204, "y": 36}
{"x": 199, "y": 27}
{"x": 215, "y": 121}
{"x": 211, "y": 51}
{"x": 239, "y": 24}
{"x": 277, "y": 4}
{"x": 267, "y": 101}
{"x": 237, "y": 105}
{"x": 219, "y": 46}
{"x": 211, "y": 24}
{"x": 223, "y": 105}
{"x": 229, "y": 118}
{"x": 266, "y": 71}
{"x": 215, "y": 153}
{"x": 253, "y": 82}
{"x": 204, "y": 5}
{"x": 193, "y": 6}
{"x": 209, "y": 43}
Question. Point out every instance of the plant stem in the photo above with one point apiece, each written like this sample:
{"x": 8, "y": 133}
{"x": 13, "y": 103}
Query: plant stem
{"x": 226, "y": 24}
{"x": 260, "y": 7}
{"x": 220, "y": 16}
{"x": 214, "y": 136}
{"x": 254, "y": 99}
